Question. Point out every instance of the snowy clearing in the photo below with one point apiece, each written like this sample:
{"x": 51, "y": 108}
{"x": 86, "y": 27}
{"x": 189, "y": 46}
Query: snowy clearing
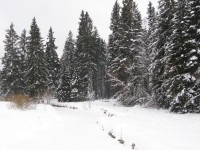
{"x": 148, "y": 129}
{"x": 52, "y": 128}
{"x": 96, "y": 126}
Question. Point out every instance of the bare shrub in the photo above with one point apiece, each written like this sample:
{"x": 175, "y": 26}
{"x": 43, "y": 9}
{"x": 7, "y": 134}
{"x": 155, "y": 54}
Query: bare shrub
{"x": 19, "y": 101}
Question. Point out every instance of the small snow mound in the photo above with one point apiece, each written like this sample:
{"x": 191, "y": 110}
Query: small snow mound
{"x": 46, "y": 108}
{"x": 4, "y": 106}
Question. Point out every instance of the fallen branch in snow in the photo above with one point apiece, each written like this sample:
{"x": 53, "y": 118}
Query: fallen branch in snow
{"x": 64, "y": 106}
{"x": 133, "y": 146}
{"x": 121, "y": 141}
{"x": 108, "y": 113}
{"x": 111, "y": 134}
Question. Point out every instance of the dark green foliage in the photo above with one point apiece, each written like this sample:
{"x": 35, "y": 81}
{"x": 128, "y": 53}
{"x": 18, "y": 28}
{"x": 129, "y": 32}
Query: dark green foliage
{"x": 192, "y": 35}
{"x": 185, "y": 58}
{"x": 64, "y": 89}
{"x": 166, "y": 8}
{"x": 146, "y": 58}
{"x": 127, "y": 70}
{"x": 152, "y": 50}
{"x": 67, "y": 59}
{"x": 113, "y": 51}
{"x": 151, "y": 34}
{"x": 12, "y": 82}
{"x": 85, "y": 55}
{"x": 23, "y": 42}
{"x": 53, "y": 64}
{"x": 175, "y": 55}
{"x": 91, "y": 60}
{"x": 114, "y": 38}
{"x": 175, "y": 67}
{"x": 67, "y": 90}
{"x": 37, "y": 72}
{"x": 99, "y": 74}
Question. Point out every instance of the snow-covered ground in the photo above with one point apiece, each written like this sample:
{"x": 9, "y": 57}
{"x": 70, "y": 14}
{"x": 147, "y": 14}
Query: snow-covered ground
{"x": 49, "y": 128}
{"x": 86, "y": 126}
{"x": 148, "y": 129}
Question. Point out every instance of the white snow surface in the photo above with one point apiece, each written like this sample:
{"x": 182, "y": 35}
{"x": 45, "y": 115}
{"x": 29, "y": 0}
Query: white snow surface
{"x": 194, "y": 58}
{"x": 198, "y": 30}
{"x": 87, "y": 128}
{"x": 49, "y": 128}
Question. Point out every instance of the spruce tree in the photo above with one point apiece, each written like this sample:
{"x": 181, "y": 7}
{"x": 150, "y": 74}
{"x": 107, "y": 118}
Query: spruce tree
{"x": 90, "y": 59}
{"x": 184, "y": 58}
{"x": 166, "y": 8}
{"x": 151, "y": 46}
{"x": 37, "y": 72}
{"x": 53, "y": 64}
{"x": 23, "y": 43}
{"x": 152, "y": 25}
{"x": 126, "y": 43}
{"x": 114, "y": 37}
{"x": 84, "y": 56}
{"x": 11, "y": 75}
{"x": 175, "y": 54}
{"x": 67, "y": 59}
{"x": 146, "y": 61}
{"x": 131, "y": 55}
{"x": 113, "y": 51}
{"x": 67, "y": 90}
{"x": 151, "y": 15}
{"x": 192, "y": 35}
{"x": 99, "y": 73}
{"x": 64, "y": 88}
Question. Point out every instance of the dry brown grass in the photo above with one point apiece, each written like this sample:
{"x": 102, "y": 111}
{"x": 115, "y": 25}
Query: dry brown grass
{"x": 19, "y": 101}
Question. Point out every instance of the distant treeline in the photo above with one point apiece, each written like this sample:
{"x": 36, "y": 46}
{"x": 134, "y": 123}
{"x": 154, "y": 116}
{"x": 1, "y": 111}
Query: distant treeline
{"x": 157, "y": 66}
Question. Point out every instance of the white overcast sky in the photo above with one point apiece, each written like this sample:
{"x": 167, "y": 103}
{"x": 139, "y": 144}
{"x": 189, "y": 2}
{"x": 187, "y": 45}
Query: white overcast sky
{"x": 62, "y": 15}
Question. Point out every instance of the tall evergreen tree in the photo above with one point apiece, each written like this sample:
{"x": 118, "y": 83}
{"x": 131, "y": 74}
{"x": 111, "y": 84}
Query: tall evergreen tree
{"x": 115, "y": 35}
{"x": 67, "y": 90}
{"x": 11, "y": 75}
{"x": 152, "y": 25}
{"x": 126, "y": 43}
{"x": 67, "y": 59}
{"x": 175, "y": 54}
{"x": 64, "y": 88}
{"x": 37, "y": 72}
{"x": 184, "y": 58}
{"x": 53, "y": 64}
{"x": 151, "y": 15}
{"x": 84, "y": 56}
{"x": 113, "y": 51}
{"x": 151, "y": 46}
{"x": 146, "y": 61}
{"x": 131, "y": 55}
{"x": 166, "y": 8}
{"x": 99, "y": 73}
{"x": 192, "y": 35}
{"x": 23, "y": 43}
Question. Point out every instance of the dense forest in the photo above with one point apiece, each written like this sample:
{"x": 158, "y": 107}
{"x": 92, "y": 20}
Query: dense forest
{"x": 157, "y": 65}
